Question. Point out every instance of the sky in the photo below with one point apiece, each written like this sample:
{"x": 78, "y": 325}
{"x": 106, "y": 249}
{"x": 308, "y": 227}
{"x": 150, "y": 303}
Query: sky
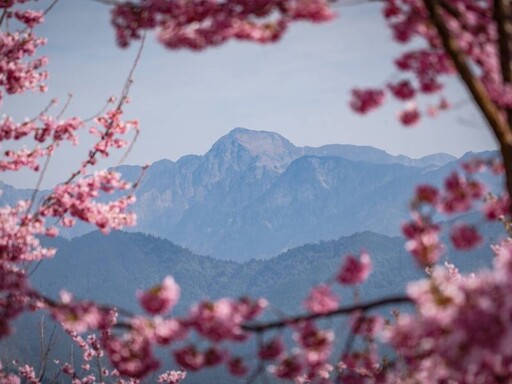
{"x": 185, "y": 101}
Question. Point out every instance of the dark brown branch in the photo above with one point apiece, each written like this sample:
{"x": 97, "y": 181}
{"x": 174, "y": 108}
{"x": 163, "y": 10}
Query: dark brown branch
{"x": 491, "y": 112}
{"x": 47, "y": 10}
{"x": 102, "y": 307}
{"x": 262, "y": 327}
{"x": 2, "y": 17}
{"x": 450, "y": 9}
{"x": 504, "y": 27}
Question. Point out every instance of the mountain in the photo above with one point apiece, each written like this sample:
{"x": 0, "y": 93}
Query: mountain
{"x": 378, "y": 156}
{"x": 254, "y": 194}
{"x": 110, "y": 269}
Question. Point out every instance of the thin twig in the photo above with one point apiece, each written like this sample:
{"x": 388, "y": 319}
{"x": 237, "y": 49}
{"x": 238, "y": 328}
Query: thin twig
{"x": 4, "y": 13}
{"x": 65, "y": 107}
{"x": 39, "y": 181}
{"x": 47, "y": 353}
{"x": 50, "y": 7}
{"x": 45, "y": 12}
{"x": 100, "y": 370}
{"x": 129, "y": 149}
{"x": 352, "y": 336}
{"x": 101, "y": 111}
{"x": 124, "y": 94}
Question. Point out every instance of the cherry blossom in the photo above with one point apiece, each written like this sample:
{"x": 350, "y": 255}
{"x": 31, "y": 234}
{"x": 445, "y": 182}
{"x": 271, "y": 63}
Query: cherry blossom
{"x": 161, "y": 298}
{"x": 272, "y": 349}
{"x": 443, "y": 340}
{"x": 410, "y": 115}
{"x": 354, "y": 271}
{"x": 465, "y": 236}
{"x": 447, "y": 331}
{"x": 321, "y": 299}
{"x": 237, "y": 367}
{"x": 424, "y": 242}
{"x": 200, "y": 24}
{"x": 172, "y": 377}
{"x": 131, "y": 354}
{"x": 365, "y": 100}
{"x": 402, "y": 90}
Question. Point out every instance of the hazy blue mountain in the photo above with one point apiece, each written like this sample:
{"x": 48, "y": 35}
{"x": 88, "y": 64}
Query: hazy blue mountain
{"x": 373, "y": 155}
{"x": 254, "y": 194}
{"x": 110, "y": 269}
{"x": 10, "y": 195}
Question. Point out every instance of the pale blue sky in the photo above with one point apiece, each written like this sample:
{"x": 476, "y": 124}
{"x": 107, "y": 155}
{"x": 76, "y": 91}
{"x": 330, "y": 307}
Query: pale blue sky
{"x": 185, "y": 101}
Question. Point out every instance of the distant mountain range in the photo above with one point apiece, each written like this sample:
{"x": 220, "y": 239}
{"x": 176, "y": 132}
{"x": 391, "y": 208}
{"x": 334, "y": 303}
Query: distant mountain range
{"x": 254, "y": 194}
{"x": 110, "y": 269}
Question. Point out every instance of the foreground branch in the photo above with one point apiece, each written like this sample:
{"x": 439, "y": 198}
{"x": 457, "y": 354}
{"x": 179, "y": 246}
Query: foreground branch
{"x": 491, "y": 112}
{"x": 504, "y": 27}
{"x": 262, "y": 327}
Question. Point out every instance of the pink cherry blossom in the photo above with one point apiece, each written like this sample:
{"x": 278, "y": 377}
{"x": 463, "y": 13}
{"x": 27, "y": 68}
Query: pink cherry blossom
{"x": 460, "y": 193}
{"x": 410, "y": 115}
{"x": 365, "y": 100}
{"x": 402, "y": 90}
{"x": 354, "y": 271}
{"x": 223, "y": 319}
{"x": 130, "y": 354}
{"x": 316, "y": 344}
{"x": 78, "y": 316}
{"x": 161, "y": 298}
{"x": 423, "y": 241}
{"x": 465, "y": 236}
{"x": 189, "y": 358}
{"x": 321, "y": 299}
{"x": 159, "y": 330}
{"x": 447, "y": 331}
{"x": 214, "y": 356}
{"x": 496, "y": 208}
{"x": 237, "y": 367}
{"x": 367, "y": 325}
{"x": 200, "y": 24}
{"x": 289, "y": 367}
{"x": 172, "y": 377}
{"x": 426, "y": 194}
{"x": 272, "y": 349}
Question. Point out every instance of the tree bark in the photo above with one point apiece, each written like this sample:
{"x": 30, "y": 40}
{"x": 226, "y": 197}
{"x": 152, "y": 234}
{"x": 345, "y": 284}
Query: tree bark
{"x": 497, "y": 120}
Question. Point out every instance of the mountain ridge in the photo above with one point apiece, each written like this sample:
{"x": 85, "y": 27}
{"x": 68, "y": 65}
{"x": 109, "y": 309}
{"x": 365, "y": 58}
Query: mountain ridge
{"x": 255, "y": 194}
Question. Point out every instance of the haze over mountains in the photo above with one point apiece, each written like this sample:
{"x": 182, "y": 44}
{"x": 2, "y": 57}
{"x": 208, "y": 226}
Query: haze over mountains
{"x": 110, "y": 269}
{"x": 254, "y": 194}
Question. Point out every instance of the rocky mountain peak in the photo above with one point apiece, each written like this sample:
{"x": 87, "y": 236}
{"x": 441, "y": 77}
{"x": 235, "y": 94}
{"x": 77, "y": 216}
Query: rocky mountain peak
{"x": 244, "y": 147}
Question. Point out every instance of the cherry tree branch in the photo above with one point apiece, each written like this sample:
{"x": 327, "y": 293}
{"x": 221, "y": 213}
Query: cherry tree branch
{"x": 491, "y": 112}
{"x": 122, "y": 100}
{"x": 504, "y": 27}
{"x": 265, "y": 326}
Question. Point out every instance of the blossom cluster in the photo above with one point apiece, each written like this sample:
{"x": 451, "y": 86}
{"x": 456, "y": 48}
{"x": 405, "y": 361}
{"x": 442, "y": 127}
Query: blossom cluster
{"x": 461, "y": 193}
{"x": 224, "y": 320}
{"x": 19, "y": 71}
{"x": 130, "y": 348}
{"x": 199, "y": 24}
{"x": 446, "y": 339}
{"x": 473, "y": 29}
{"x": 80, "y": 197}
